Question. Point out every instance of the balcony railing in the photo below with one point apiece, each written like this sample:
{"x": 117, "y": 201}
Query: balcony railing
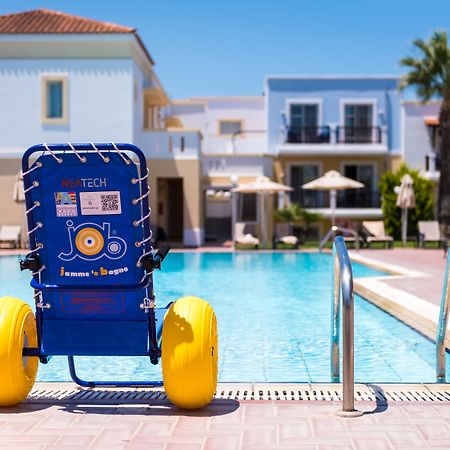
{"x": 330, "y": 134}
{"x": 345, "y": 199}
{"x": 358, "y": 135}
{"x": 308, "y": 135}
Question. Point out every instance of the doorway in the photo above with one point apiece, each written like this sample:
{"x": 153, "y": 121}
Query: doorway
{"x": 170, "y": 207}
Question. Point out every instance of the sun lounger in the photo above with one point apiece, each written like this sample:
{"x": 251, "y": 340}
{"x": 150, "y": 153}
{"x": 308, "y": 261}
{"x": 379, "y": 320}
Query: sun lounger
{"x": 283, "y": 235}
{"x": 245, "y": 239}
{"x": 375, "y": 228}
{"x": 429, "y": 232}
{"x": 10, "y": 234}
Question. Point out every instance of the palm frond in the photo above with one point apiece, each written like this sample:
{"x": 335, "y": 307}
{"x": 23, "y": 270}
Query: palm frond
{"x": 430, "y": 69}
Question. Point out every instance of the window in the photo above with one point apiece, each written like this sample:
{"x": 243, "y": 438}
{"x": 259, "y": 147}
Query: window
{"x": 54, "y": 100}
{"x": 299, "y": 175}
{"x": 358, "y": 123}
{"x": 365, "y": 197}
{"x": 364, "y": 173}
{"x": 304, "y": 115}
{"x": 230, "y": 126}
{"x": 358, "y": 116}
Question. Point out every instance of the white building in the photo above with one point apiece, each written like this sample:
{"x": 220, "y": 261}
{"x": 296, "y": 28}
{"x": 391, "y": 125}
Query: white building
{"x": 421, "y": 137}
{"x": 69, "y": 79}
{"x": 234, "y": 151}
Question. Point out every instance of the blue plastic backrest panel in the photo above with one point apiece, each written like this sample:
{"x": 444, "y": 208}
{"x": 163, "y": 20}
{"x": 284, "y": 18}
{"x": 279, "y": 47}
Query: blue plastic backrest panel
{"x": 85, "y": 216}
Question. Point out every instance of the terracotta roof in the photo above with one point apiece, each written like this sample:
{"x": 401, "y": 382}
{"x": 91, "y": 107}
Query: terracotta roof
{"x": 46, "y": 21}
{"x": 43, "y": 21}
{"x": 432, "y": 121}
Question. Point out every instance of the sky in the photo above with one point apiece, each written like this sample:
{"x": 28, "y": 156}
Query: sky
{"x": 216, "y": 47}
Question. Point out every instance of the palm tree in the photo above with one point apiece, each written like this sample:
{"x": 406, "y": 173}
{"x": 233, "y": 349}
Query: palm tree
{"x": 429, "y": 73}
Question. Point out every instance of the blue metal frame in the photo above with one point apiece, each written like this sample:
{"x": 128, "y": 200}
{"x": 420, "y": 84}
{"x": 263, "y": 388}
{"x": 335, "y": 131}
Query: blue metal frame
{"x": 92, "y": 384}
{"x": 154, "y": 335}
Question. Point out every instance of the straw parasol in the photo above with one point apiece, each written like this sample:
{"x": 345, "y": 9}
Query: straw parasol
{"x": 405, "y": 200}
{"x": 332, "y": 181}
{"x": 263, "y": 186}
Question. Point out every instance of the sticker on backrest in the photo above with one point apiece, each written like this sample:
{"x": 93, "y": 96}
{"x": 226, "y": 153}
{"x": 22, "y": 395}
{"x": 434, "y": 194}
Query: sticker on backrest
{"x": 66, "y": 204}
{"x": 100, "y": 203}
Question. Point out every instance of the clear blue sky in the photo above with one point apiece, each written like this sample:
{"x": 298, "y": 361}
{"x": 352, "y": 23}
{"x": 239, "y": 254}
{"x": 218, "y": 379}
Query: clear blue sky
{"x": 217, "y": 47}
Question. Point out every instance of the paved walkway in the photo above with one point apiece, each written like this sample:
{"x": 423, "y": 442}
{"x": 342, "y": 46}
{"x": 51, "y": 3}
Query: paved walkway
{"x": 225, "y": 424}
{"x": 429, "y": 261}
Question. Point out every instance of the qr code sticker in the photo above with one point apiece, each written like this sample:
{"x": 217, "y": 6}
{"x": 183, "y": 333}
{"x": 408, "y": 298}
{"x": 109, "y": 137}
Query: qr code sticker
{"x": 100, "y": 203}
{"x": 110, "y": 202}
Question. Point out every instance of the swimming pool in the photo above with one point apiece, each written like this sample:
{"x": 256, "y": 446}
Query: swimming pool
{"x": 273, "y": 312}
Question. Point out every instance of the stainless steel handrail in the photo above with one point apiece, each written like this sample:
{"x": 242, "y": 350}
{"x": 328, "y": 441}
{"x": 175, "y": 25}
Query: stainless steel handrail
{"x": 442, "y": 325}
{"x": 342, "y": 279}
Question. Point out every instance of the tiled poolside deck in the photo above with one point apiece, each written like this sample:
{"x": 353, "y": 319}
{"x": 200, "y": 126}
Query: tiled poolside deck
{"x": 224, "y": 424}
{"x": 430, "y": 262}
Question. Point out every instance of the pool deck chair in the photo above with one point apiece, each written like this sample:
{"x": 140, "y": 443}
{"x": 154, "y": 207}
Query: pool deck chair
{"x": 284, "y": 236}
{"x": 92, "y": 273}
{"x": 10, "y": 235}
{"x": 429, "y": 232}
{"x": 245, "y": 239}
{"x": 377, "y": 233}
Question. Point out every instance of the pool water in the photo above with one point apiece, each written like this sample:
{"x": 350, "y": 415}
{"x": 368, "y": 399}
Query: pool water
{"x": 273, "y": 313}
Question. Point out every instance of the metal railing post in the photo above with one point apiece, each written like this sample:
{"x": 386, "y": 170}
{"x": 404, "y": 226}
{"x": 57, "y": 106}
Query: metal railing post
{"x": 343, "y": 282}
{"x": 442, "y": 325}
{"x": 335, "y": 317}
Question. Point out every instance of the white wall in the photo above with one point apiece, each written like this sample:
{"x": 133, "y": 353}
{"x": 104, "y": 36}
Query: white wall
{"x": 416, "y": 136}
{"x": 249, "y": 110}
{"x": 193, "y": 115}
{"x": 100, "y": 101}
{"x": 204, "y": 114}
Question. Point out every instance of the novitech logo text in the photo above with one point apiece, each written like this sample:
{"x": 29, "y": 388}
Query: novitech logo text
{"x": 90, "y": 241}
{"x": 73, "y": 183}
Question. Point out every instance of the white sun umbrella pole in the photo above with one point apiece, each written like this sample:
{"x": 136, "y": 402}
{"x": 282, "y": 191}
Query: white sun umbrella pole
{"x": 405, "y": 200}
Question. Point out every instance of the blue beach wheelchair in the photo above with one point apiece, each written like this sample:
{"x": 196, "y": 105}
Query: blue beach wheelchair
{"x": 92, "y": 269}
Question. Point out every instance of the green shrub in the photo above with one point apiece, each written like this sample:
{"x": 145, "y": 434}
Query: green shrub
{"x": 424, "y": 210}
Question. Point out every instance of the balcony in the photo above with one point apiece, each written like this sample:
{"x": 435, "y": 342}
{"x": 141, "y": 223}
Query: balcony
{"x": 432, "y": 167}
{"x": 333, "y": 140}
{"x": 350, "y": 199}
{"x": 243, "y": 143}
{"x": 308, "y": 135}
{"x": 174, "y": 144}
{"x": 358, "y": 135}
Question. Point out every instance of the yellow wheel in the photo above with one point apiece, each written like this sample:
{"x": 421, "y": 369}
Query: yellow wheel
{"x": 17, "y": 330}
{"x": 189, "y": 353}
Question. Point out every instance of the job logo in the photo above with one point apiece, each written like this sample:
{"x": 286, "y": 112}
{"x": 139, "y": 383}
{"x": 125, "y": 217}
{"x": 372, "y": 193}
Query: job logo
{"x": 90, "y": 241}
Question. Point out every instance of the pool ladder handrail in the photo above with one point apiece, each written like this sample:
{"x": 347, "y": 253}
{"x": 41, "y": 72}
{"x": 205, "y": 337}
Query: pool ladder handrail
{"x": 342, "y": 281}
{"x": 441, "y": 330}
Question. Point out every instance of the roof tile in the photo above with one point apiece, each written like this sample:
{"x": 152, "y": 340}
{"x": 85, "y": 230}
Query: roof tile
{"x": 43, "y": 21}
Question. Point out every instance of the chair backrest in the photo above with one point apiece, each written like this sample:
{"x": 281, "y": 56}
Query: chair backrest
{"x": 375, "y": 227}
{"x": 239, "y": 229}
{"x": 430, "y": 229}
{"x": 88, "y": 221}
{"x": 9, "y": 232}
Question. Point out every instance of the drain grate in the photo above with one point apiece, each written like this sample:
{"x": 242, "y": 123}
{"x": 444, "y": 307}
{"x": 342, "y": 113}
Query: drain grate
{"x": 71, "y": 394}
